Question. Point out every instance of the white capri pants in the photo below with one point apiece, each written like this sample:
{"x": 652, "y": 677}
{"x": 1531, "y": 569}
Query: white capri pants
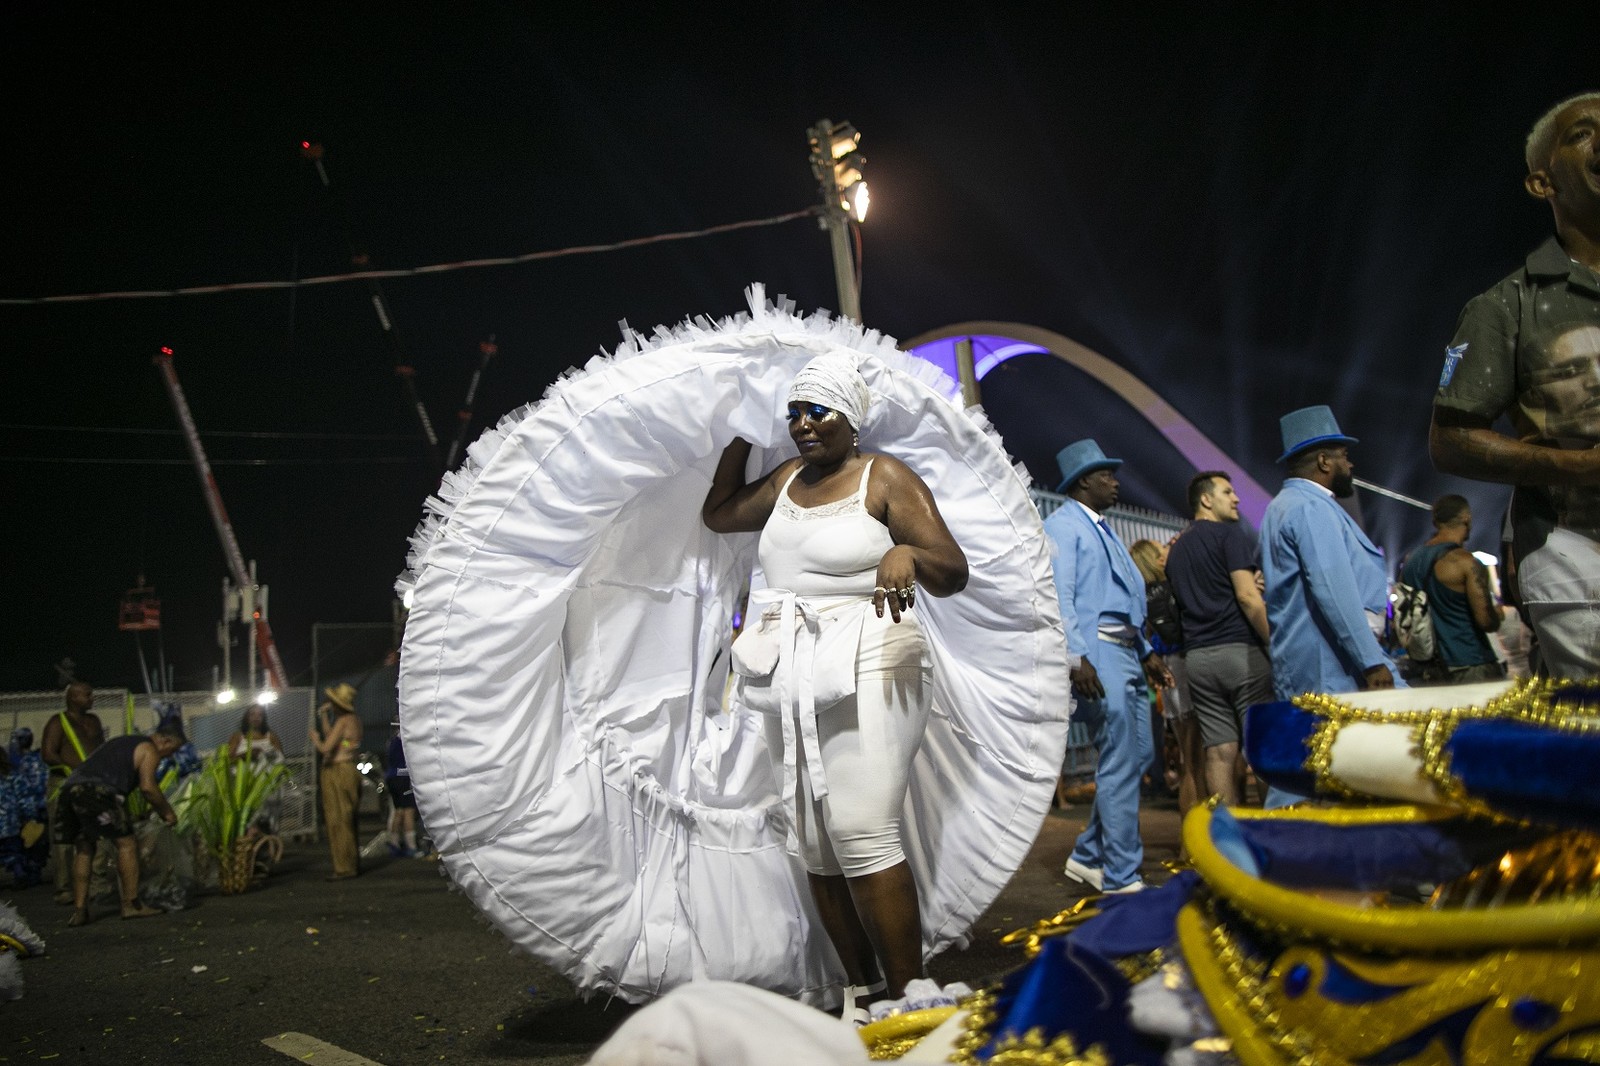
{"x": 867, "y": 743}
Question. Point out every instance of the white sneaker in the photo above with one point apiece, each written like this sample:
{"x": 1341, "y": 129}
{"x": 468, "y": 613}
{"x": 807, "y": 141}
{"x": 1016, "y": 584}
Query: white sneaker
{"x": 1084, "y": 875}
{"x": 1126, "y": 890}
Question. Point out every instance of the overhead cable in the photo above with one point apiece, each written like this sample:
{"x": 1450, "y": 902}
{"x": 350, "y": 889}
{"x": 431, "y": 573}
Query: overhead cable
{"x": 253, "y": 434}
{"x": 407, "y": 272}
{"x": 127, "y": 461}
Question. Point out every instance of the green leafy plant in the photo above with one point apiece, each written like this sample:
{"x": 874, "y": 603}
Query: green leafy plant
{"x": 224, "y": 798}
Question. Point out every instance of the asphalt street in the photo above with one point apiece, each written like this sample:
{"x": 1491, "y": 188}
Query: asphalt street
{"x": 394, "y": 966}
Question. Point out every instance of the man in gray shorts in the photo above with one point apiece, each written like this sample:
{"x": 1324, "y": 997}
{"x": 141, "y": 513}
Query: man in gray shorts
{"x": 1214, "y": 569}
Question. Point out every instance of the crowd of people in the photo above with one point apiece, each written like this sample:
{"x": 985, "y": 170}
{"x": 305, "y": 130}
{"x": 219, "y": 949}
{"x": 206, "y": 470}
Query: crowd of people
{"x": 838, "y": 659}
{"x": 1307, "y": 608}
{"x": 1223, "y": 620}
{"x": 70, "y": 811}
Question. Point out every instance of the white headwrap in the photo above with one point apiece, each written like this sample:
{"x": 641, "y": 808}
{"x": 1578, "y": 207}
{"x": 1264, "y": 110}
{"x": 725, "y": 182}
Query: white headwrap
{"x": 833, "y": 381}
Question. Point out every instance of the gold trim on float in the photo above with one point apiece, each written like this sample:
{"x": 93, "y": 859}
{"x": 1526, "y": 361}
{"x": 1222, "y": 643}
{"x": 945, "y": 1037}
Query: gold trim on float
{"x": 1295, "y": 914}
{"x": 1029, "y": 1049}
{"x": 1523, "y": 1004}
{"x": 1224, "y": 991}
{"x": 1528, "y": 702}
{"x": 1061, "y": 922}
{"x": 889, "y": 1038}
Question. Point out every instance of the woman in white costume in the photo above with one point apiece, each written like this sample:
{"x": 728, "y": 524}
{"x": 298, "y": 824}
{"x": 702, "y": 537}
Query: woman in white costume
{"x": 844, "y": 534}
{"x": 566, "y": 654}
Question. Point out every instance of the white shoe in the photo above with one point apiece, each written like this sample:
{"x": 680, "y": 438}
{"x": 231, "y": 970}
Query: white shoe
{"x": 1084, "y": 875}
{"x": 857, "y": 1013}
{"x": 1126, "y": 890}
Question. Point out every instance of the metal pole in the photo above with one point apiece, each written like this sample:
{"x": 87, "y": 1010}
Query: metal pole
{"x": 403, "y": 367}
{"x": 844, "y": 271}
{"x": 219, "y": 514}
{"x": 1393, "y": 495}
{"x": 486, "y": 351}
{"x": 966, "y": 373}
{"x": 252, "y": 608}
{"x": 225, "y": 634}
{"x": 834, "y": 218}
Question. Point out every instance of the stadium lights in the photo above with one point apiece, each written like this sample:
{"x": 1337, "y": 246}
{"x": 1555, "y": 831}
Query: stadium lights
{"x": 839, "y": 168}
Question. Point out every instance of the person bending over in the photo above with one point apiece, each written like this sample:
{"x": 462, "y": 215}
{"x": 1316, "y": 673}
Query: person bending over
{"x": 93, "y": 806}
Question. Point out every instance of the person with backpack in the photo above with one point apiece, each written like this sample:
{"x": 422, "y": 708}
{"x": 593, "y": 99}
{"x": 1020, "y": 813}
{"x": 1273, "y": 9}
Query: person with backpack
{"x": 1182, "y": 758}
{"x": 1457, "y": 602}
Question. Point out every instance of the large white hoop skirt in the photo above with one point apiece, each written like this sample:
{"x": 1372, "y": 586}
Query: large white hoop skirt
{"x": 562, "y": 676}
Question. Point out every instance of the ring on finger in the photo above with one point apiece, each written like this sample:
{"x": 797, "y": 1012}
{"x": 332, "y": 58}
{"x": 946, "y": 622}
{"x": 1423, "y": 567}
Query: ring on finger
{"x": 880, "y": 588}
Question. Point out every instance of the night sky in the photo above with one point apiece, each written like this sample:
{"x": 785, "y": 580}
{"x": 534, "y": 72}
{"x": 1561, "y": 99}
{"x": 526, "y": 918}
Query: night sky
{"x": 1254, "y": 207}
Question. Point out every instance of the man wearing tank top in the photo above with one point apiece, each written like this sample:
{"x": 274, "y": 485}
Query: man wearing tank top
{"x": 93, "y": 807}
{"x": 1460, "y": 603}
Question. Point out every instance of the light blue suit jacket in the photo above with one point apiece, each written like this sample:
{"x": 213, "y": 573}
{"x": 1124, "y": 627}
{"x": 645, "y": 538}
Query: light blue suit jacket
{"x": 1322, "y": 574}
{"x": 1095, "y": 575}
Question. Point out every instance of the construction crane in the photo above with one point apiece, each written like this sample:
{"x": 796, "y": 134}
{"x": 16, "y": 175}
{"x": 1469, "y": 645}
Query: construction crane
{"x": 403, "y": 363}
{"x": 487, "y": 350}
{"x": 243, "y": 578}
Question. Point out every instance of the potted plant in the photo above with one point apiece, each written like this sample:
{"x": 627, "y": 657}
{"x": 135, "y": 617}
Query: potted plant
{"x": 222, "y": 803}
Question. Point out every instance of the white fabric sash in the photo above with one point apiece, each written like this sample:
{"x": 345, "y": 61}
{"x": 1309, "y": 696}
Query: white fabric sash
{"x": 795, "y": 657}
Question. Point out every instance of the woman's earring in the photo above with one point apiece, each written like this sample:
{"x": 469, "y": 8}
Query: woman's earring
{"x": 856, "y": 439}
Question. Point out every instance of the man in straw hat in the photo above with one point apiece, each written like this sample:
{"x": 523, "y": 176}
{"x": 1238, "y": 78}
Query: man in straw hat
{"x": 1327, "y": 589}
{"x": 1102, "y": 608}
{"x": 337, "y": 741}
{"x": 1530, "y": 348}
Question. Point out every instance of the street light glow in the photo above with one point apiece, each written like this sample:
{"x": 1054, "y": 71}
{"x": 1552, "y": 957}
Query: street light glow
{"x": 266, "y": 697}
{"x": 857, "y": 201}
{"x": 227, "y": 695}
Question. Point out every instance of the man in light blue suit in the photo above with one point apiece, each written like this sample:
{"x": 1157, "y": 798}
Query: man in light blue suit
{"x": 1102, "y": 608}
{"x": 1327, "y": 592}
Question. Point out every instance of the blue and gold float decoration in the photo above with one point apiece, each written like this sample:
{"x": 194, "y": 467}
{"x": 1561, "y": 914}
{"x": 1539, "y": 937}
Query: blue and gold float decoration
{"x": 1458, "y": 926}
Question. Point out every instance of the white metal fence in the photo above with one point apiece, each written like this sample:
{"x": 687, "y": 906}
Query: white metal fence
{"x": 1129, "y": 523}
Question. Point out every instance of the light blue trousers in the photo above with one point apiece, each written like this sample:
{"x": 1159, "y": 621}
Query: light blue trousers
{"x": 1120, "y": 724}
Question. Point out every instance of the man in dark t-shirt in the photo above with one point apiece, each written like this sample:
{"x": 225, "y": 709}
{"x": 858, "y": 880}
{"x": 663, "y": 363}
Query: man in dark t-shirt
{"x": 93, "y": 806}
{"x": 1213, "y": 569}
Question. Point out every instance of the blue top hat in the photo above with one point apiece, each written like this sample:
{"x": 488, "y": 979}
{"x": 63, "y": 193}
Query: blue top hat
{"x": 1310, "y": 426}
{"x": 1080, "y": 458}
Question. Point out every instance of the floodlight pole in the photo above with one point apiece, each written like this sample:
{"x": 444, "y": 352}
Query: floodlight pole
{"x": 837, "y": 223}
{"x": 835, "y": 219}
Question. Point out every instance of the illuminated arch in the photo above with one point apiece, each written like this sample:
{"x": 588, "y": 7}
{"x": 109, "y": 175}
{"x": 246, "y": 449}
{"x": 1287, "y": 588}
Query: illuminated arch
{"x": 995, "y": 342}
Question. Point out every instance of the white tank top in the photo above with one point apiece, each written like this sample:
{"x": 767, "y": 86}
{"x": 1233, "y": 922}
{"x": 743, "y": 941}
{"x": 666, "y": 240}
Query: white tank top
{"x": 832, "y": 549}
